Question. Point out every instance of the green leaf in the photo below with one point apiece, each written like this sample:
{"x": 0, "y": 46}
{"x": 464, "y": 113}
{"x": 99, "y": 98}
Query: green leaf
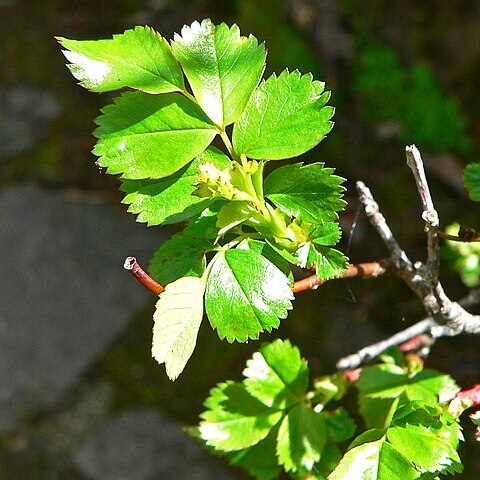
{"x": 260, "y": 460}
{"x": 330, "y": 263}
{"x": 306, "y": 255}
{"x": 301, "y": 438}
{"x": 233, "y": 214}
{"x": 270, "y": 253}
{"x": 326, "y": 235}
{"x": 222, "y": 67}
{"x": 471, "y": 178}
{"x": 177, "y": 318}
{"x": 169, "y": 199}
{"x": 204, "y": 226}
{"x": 180, "y": 256}
{"x": 340, "y": 425}
{"x": 151, "y": 136}
{"x": 140, "y": 58}
{"x": 277, "y": 375}
{"x": 374, "y": 460}
{"x": 379, "y": 385}
{"x": 245, "y": 295}
{"x": 309, "y": 192}
{"x": 235, "y": 420}
{"x": 285, "y": 117}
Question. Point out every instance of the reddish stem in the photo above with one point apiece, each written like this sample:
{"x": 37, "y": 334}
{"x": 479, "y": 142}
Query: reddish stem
{"x": 465, "y": 234}
{"x": 362, "y": 270}
{"x": 470, "y": 397}
{"x": 142, "y": 276}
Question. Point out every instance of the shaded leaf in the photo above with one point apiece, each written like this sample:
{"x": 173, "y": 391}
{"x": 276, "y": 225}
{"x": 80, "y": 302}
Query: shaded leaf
{"x": 471, "y": 178}
{"x": 222, "y": 67}
{"x": 245, "y": 295}
{"x": 180, "y": 256}
{"x": 140, "y": 58}
{"x": 301, "y": 438}
{"x": 151, "y": 136}
{"x": 277, "y": 375}
{"x": 177, "y": 318}
{"x": 235, "y": 420}
{"x": 285, "y": 117}
{"x": 309, "y": 192}
{"x": 260, "y": 460}
{"x": 169, "y": 199}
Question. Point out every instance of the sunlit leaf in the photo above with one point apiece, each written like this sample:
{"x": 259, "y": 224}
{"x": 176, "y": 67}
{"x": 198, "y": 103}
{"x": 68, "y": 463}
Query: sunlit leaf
{"x": 222, "y": 67}
{"x": 235, "y": 420}
{"x": 285, "y": 117}
{"x": 177, "y": 318}
{"x": 246, "y": 294}
{"x": 301, "y": 438}
{"x": 151, "y": 136}
{"x": 169, "y": 199}
{"x": 140, "y": 58}
{"x": 277, "y": 375}
{"x": 310, "y": 192}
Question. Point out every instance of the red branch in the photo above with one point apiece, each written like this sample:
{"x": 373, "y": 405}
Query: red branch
{"x": 465, "y": 234}
{"x": 142, "y": 276}
{"x": 362, "y": 270}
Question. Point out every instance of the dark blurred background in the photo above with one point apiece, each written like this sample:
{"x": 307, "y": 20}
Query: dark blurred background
{"x": 80, "y": 396}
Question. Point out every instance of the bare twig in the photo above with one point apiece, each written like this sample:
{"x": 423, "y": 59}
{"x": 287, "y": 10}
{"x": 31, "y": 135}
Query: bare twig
{"x": 142, "y": 276}
{"x": 378, "y": 221}
{"x": 429, "y": 214}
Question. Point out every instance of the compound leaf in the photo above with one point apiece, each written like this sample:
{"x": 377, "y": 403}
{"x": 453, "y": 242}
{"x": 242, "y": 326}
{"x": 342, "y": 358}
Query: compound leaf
{"x": 151, "y": 136}
{"x": 169, "y": 199}
{"x": 180, "y": 256}
{"x": 277, "y": 375}
{"x": 222, "y": 67}
{"x": 245, "y": 295}
{"x": 330, "y": 263}
{"x": 177, "y": 318}
{"x": 471, "y": 178}
{"x": 140, "y": 58}
{"x": 301, "y": 438}
{"x": 235, "y": 420}
{"x": 285, "y": 117}
{"x": 310, "y": 192}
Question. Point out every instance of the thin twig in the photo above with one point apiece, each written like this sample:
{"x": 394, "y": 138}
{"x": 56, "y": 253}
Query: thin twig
{"x": 429, "y": 214}
{"x": 378, "y": 221}
{"x": 361, "y": 270}
{"x": 142, "y": 276}
{"x": 428, "y": 329}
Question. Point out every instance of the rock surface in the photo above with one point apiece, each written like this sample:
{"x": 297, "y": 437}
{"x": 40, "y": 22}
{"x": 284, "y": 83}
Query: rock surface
{"x": 144, "y": 445}
{"x": 64, "y": 296}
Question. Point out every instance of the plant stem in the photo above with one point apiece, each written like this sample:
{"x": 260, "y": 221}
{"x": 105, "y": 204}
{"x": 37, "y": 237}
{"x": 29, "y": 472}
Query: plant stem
{"x": 142, "y": 276}
{"x": 228, "y": 144}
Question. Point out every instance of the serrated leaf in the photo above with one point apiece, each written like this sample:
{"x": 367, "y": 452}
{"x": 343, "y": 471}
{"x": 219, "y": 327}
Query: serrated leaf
{"x": 301, "y": 438}
{"x": 235, "y": 420}
{"x": 379, "y": 385}
{"x": 233, "y": 214}
{"x": 330, "y": 263}
{"x": 140, "y": 58}
{"x": 260, "y": 460}
{"x": 179, "y": 256}
{"x": 245, "y": 295}
{"x": 374, "y": 460}
{"x": 222, "y": 67}
{"x": 326, "y": 234}
{"x": 306, "y": 255}
{"x": 277, "y": 375}
{"x": 151, "y": 136}
{"x": 169, "y": 199}
{"x": 309, "y": 192}
{"x": 177, "y": 318}
{"x": 285, "y": 117}
{"x": 340, "y": 425}
{"x": 471, "y": 178}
